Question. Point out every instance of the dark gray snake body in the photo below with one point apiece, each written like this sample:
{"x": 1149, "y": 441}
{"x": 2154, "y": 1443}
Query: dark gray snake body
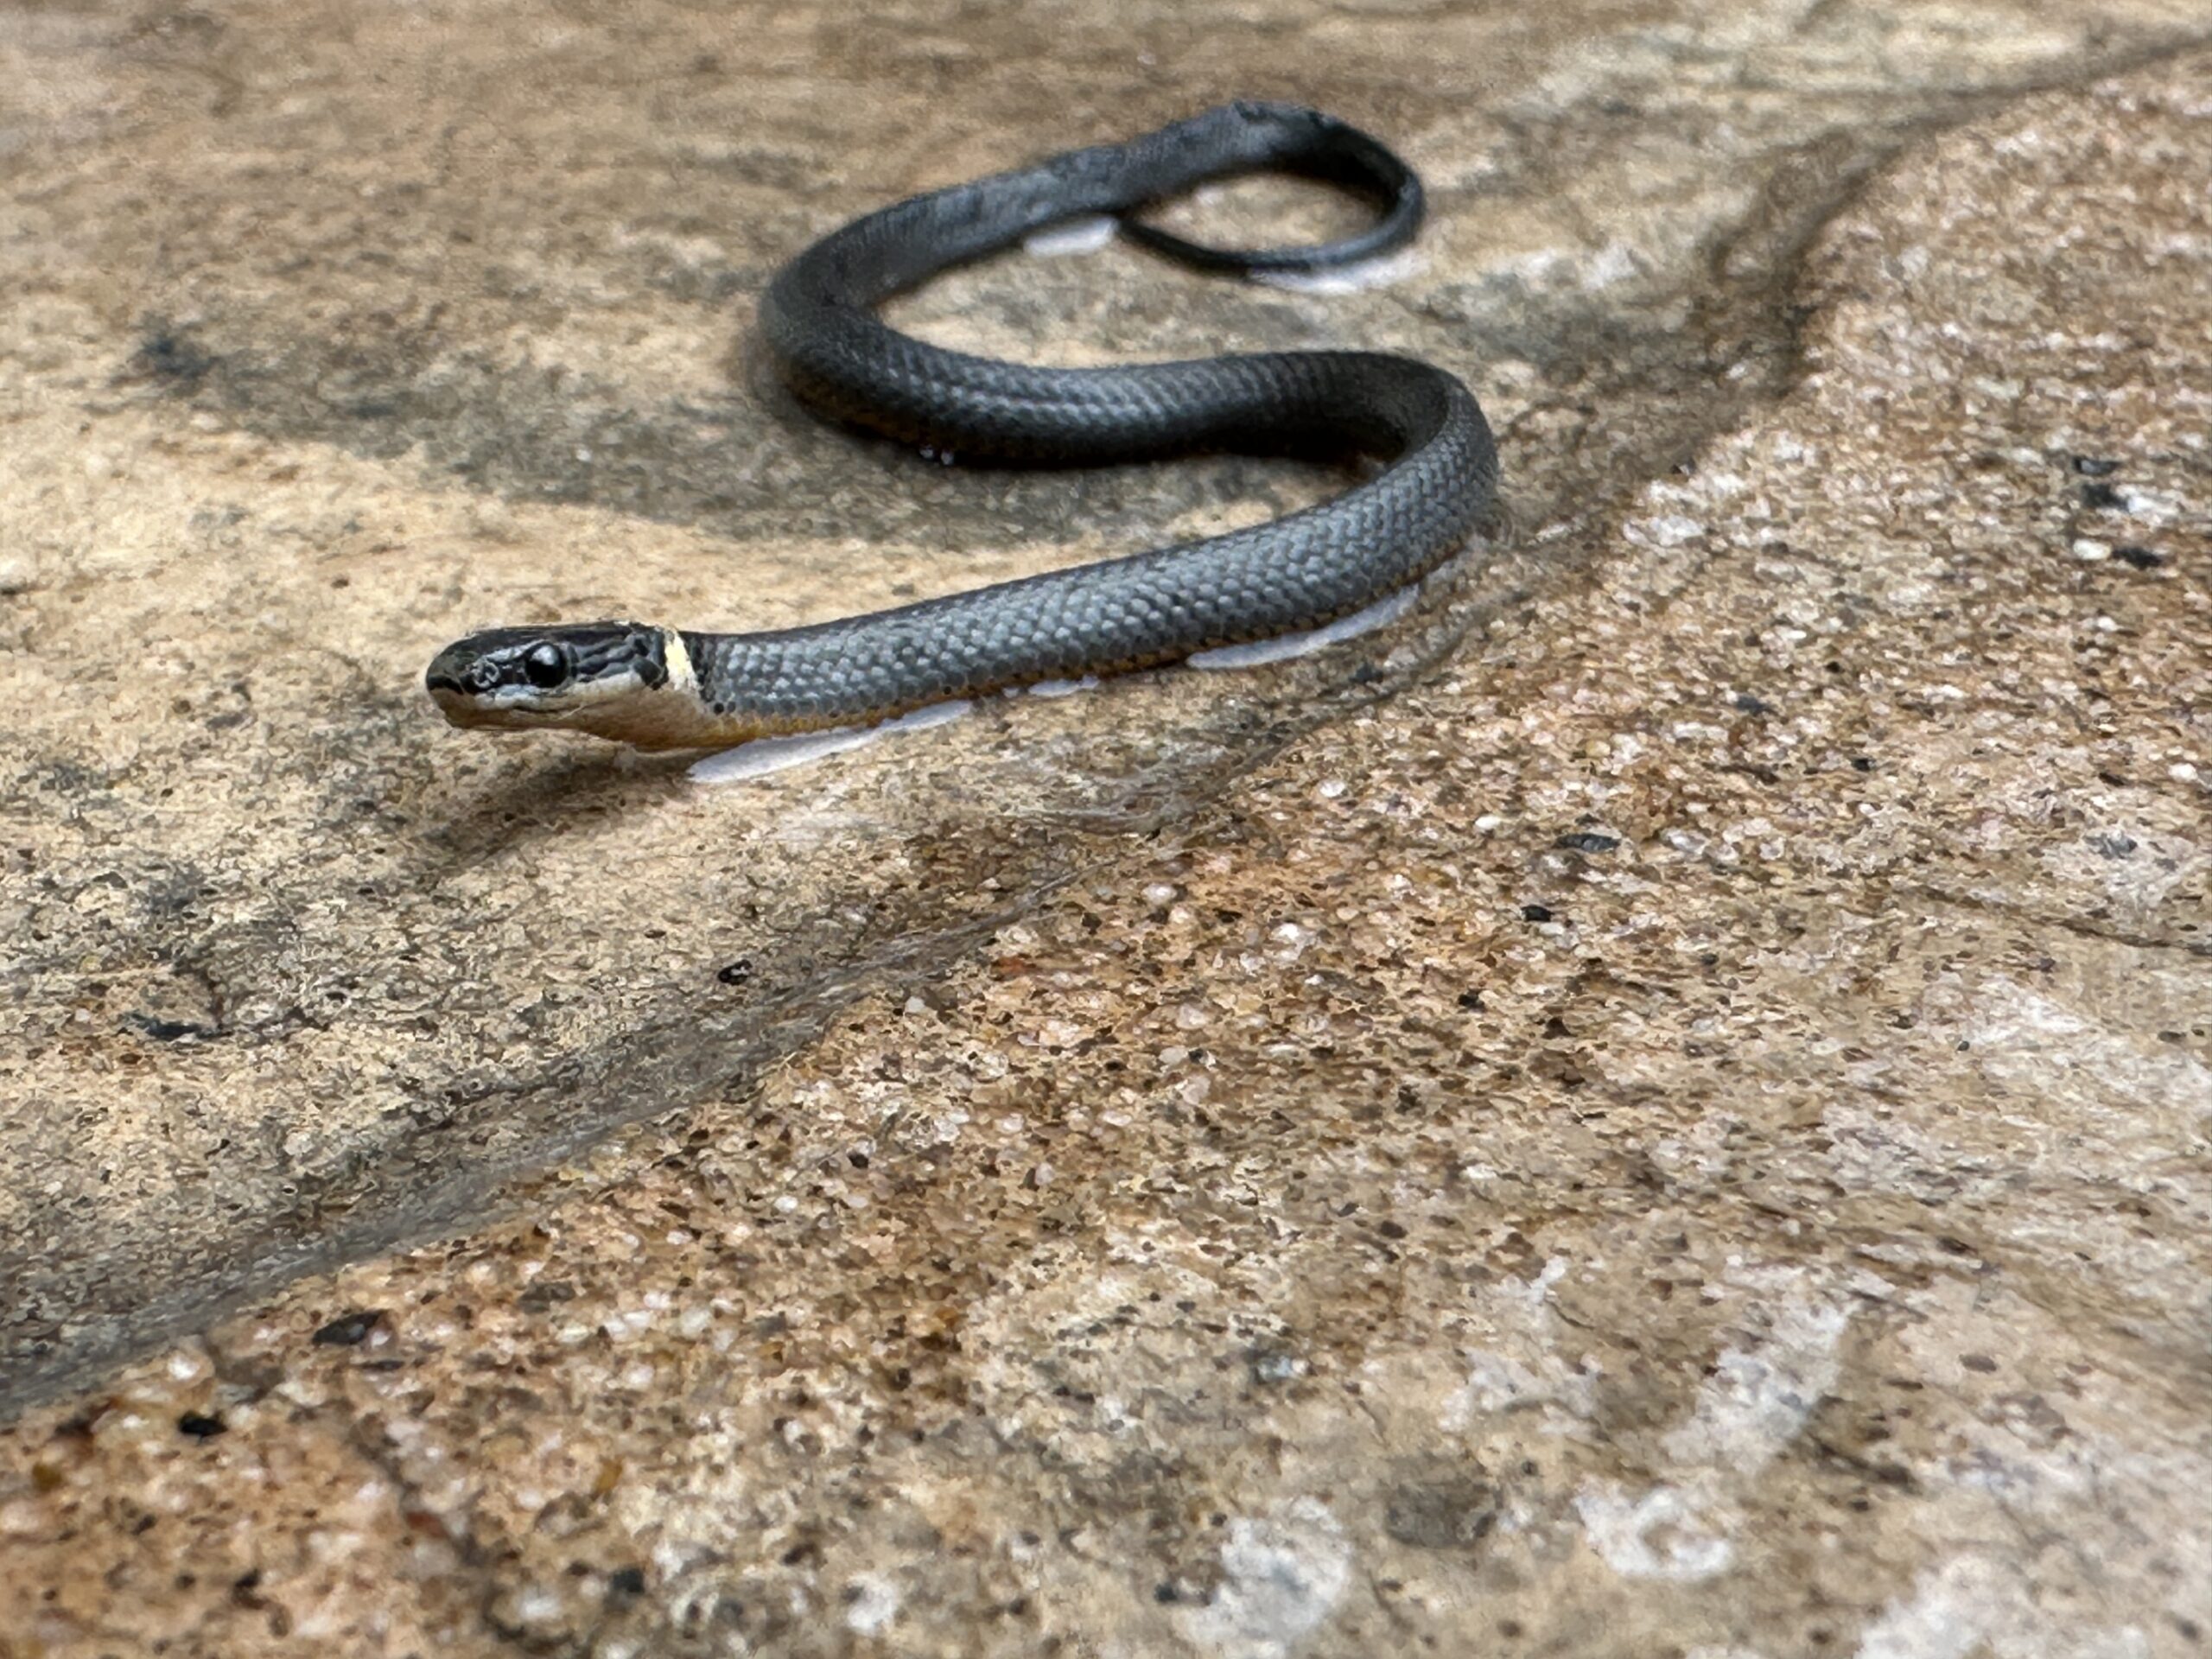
{"x": 667, "y": 688}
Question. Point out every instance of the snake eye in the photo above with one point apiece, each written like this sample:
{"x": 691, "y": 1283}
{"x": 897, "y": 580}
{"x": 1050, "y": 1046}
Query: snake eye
{"x": 545, "y": 666}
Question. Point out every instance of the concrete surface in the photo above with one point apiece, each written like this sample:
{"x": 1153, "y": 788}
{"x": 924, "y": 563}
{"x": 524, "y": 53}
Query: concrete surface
{"x": 1659, "y": 1108}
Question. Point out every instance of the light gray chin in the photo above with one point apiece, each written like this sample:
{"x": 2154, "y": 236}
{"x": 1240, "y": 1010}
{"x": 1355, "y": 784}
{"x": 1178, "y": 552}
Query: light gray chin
{"x": 470, "y": 714}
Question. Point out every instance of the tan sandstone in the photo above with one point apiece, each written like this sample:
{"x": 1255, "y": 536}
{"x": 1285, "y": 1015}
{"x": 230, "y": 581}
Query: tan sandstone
{"x": 1660, "y": 1107}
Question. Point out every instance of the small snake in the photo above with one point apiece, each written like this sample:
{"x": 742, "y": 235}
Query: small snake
{"x": 662, "y": 688}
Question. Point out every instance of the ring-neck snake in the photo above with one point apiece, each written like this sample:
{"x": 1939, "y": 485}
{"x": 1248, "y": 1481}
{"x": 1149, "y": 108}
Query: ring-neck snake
{"x": 665, "y": 687}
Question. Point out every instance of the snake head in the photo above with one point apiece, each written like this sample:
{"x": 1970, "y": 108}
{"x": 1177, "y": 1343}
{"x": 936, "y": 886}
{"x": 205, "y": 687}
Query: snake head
{"x": 528, "y": 679}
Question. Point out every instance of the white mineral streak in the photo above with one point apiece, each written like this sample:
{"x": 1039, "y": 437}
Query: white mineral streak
{"x": 1282, "y": 1575}
{"x": 1751, "y": 1406}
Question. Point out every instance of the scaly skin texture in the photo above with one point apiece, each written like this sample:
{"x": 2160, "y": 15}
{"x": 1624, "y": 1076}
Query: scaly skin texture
{"x": 817, "y": 320}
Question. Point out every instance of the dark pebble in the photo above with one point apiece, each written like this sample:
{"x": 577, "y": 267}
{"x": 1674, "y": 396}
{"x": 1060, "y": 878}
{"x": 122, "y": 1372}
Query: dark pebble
{"x": 1746, "y": 703}
{"x": 2094, "y": 467}
{"x": 349, "y": 1330}
{"x": 1471, "y": 1002}
{"x": 2141, "y": 557}
{"x": 1586, "y": 841}
{"x": 172, "y": 356}
{"x": 1536, "y": 913}
{"x": 2102, "y": 495}
{"x": 172, "y": 1031}
{"x": 737, "y": 972}
{"x": 544, "y": 1294}
{"x": 200, "y": 1425}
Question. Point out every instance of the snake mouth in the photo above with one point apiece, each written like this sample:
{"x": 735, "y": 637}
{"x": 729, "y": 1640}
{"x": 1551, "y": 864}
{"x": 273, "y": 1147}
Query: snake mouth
{"x": 474, "y": 710}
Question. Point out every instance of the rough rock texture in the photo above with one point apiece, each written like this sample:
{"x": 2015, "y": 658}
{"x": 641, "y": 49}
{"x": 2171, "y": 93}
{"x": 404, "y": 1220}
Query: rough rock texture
{"x": 1684, "y": 1129}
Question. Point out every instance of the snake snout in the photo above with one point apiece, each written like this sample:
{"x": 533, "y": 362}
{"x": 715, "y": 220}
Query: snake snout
{"x": 450, "y": 671}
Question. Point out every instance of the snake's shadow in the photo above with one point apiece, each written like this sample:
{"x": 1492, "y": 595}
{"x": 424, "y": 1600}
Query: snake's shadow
{"x": 551, "y": 796}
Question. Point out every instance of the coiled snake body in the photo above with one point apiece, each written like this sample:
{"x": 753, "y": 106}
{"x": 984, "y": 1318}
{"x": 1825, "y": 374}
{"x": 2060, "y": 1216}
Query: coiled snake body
{"x": 670, "y": 687}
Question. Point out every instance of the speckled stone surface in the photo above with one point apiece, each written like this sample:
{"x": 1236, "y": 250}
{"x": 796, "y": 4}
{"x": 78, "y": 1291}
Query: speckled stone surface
{"x": 1680, "y": 1127}
{"x": 308, "y": 368}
